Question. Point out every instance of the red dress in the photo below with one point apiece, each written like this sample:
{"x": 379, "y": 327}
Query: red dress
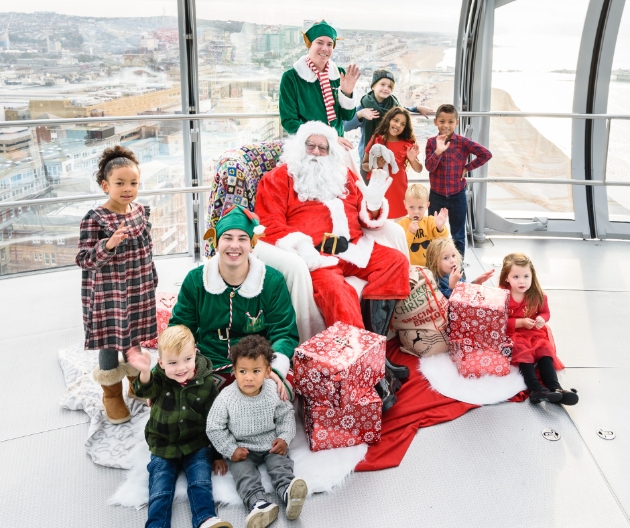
{"x": 396, "y": 193}
{"x": 530, "y": 344}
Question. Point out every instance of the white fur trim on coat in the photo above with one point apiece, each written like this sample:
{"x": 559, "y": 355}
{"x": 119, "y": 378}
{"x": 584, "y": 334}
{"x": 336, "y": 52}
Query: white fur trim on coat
{"x": 302, "y": 69}
{"x": 365, "y": 217}
{"x": 281, "y": 364}
{"x": 346, "y": 102}
{"x": 358, "y": 253}
{"x": 291, "y": 241}
{"x": 338, "y": 217}
{"x": 251, "y": 287}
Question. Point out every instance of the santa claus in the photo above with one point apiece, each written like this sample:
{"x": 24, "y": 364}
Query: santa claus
{"x": 314, "y": 206}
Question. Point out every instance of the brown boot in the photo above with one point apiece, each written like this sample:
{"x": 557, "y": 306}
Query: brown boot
{"x": 132, "y": 374}
{"x": 111, "y": 381}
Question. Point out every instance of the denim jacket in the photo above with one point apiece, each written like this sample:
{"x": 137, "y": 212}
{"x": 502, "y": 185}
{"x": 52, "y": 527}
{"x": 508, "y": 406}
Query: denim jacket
{"x": 443, "y": 285}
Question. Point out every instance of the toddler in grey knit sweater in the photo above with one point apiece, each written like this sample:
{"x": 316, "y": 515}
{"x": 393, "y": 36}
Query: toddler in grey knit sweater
{"x": 250, "y": 425}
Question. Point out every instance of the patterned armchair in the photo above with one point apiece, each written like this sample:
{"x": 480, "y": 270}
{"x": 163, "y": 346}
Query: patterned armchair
{"x": 236, "y": 179}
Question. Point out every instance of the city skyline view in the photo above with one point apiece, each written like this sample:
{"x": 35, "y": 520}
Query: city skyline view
{"x": 59, "y": 65}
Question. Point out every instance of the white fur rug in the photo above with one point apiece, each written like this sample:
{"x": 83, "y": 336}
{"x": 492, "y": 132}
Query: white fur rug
{"x": 123, "y": 446}
{"x": 443, "y": 376}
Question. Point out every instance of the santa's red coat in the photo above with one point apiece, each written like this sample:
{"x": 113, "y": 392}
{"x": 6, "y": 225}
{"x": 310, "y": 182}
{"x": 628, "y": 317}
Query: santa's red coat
{"x": 289, "y": 221}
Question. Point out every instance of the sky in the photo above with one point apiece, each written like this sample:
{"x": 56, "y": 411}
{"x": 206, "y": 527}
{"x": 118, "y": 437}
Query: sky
{"x": 551, "y": 28}
{"x": 413, "y": 15}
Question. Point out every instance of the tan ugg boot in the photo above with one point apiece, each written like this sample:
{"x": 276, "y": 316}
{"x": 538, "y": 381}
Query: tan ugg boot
{"x": 132, "y": 374}
{"x": 111, "y": 381}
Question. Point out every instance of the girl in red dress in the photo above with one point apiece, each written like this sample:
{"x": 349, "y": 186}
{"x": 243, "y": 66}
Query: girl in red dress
{"x": 396, "y": 132}
{"x": 527, "y": 317}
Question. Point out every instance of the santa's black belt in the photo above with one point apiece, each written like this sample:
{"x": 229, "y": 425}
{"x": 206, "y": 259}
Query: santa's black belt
{"x": 332, "y": 244}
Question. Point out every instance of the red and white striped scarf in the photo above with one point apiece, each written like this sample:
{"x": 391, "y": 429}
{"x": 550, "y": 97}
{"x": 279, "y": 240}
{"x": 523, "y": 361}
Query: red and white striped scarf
{"x": 324, "y": 82}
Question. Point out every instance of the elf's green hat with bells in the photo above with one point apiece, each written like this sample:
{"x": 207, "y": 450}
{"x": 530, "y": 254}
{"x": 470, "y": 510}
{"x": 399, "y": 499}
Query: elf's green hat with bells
{"x": 236, "y": 217}
{"x": 320, "y": 29}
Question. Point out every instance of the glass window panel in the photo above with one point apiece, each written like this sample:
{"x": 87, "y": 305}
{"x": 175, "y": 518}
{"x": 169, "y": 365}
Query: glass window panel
{"x": 77, "y": 60}
{"x": 241, "y": 63}
{"x": 618, "y": 162}
{"x": 534, "y": 63}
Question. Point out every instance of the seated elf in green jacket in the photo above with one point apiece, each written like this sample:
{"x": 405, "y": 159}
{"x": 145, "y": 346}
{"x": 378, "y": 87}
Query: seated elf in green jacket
{"x": 234, "y": 295}
{"x": 182, "y": 390}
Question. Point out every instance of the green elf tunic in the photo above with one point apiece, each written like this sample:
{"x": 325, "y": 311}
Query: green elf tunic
{"x": 261, "y": 305}
{"x": 301, "y": 98}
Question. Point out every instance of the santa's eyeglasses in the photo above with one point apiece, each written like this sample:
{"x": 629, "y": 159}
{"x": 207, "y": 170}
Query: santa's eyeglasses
{"x": 310, "y": 147}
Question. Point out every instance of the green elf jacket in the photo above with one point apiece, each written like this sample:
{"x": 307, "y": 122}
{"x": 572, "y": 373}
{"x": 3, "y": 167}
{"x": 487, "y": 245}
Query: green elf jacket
{"x": 301, "y": 98}
{"x": 177, "y": 425}
{"x": 261, "y": 305}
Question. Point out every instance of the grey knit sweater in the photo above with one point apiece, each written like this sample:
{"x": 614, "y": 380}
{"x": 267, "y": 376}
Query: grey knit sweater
{"x": 253, "y": 422}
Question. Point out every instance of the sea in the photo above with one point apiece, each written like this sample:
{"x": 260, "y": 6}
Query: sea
{"x": 533, "y": 88}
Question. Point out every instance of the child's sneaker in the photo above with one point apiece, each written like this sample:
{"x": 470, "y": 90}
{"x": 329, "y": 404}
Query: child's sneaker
{"x": 294, "y": 498}
{"x": 263, "y": 514}
{"x": 215, "y": 522}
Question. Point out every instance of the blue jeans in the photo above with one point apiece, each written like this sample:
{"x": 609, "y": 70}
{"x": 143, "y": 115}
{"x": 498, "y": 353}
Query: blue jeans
{"x": 457, "y": 207}
{"x": 162, "y": 477}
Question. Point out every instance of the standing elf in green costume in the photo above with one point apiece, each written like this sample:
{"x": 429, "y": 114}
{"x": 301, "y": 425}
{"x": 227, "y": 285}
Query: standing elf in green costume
{"x": 316, "y": 89}
{"x": 235, "y": 295}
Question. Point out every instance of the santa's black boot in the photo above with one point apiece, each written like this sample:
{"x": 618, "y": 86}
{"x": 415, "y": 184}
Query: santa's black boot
{"x": 376, "y": 317}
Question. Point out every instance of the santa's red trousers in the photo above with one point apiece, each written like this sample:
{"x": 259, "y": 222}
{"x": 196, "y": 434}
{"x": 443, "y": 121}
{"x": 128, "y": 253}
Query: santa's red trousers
{"x": 387, "y": 276}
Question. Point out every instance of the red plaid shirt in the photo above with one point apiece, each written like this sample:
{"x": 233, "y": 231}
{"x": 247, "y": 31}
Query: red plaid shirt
{"x": 445, "y": 170}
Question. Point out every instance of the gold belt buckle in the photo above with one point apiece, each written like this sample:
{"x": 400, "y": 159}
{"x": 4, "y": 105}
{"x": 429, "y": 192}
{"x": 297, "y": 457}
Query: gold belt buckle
{"x": 326, "y": 237}
{"x": 227, "y": 334}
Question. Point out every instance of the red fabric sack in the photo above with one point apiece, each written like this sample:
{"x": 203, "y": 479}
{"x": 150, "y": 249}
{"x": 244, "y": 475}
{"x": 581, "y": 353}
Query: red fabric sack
{"x": 479, "y": 344}
{"x": 329, "y": 427}
{"x": 165, "y": 303}
{"x": 339, "y": 365}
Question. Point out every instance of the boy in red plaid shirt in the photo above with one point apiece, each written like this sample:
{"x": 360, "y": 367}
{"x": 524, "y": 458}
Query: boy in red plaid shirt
{"x": 447, "y": 162}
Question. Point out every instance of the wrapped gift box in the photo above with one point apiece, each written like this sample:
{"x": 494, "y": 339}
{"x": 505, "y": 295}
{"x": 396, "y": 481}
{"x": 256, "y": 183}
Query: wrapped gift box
{"x": 480, "y": 314}
{"x": 339, "y": 365}
{"x": 479, "y": 343}
{"x": 164, "y": 307}
{"x": 331, "y": 427}
{"x": 474, "y": 362}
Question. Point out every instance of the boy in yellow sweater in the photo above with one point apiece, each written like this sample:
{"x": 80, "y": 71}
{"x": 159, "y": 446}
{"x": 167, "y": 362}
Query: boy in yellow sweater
{"x": 421, "y": 229}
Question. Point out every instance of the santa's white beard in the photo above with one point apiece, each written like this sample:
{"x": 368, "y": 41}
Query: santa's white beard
{"x": 319, "y": 178}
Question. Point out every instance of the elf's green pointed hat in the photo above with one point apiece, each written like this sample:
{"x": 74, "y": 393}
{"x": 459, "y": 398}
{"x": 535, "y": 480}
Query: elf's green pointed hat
{"x": 236, "y": 217}
{"x": 320, "y": 29}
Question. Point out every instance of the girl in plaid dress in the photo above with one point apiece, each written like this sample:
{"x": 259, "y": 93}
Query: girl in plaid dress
{"x": 119, "y": 277}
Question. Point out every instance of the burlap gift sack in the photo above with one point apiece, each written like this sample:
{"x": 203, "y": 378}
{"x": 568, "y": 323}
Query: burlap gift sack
{"x": 421, "y": 319}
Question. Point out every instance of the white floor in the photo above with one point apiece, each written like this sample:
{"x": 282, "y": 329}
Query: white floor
{"x": 492, "y": 467}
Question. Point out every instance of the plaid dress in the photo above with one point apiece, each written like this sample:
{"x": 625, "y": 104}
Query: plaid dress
{"x": 118, "y": 286}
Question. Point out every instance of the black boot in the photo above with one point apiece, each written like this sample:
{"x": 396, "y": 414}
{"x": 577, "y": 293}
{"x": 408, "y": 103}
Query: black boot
{"x": 376, "y": 317}
{"x": 537, "y": 392}
{"x": 387, "y": 389}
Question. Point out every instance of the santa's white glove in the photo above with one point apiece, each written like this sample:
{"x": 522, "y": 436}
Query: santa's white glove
{"x": 375, "y": 191}
{"x": 313, "y": 258}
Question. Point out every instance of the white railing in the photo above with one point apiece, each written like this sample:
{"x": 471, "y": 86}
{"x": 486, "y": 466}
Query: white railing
{"x": 215, "y": 117}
